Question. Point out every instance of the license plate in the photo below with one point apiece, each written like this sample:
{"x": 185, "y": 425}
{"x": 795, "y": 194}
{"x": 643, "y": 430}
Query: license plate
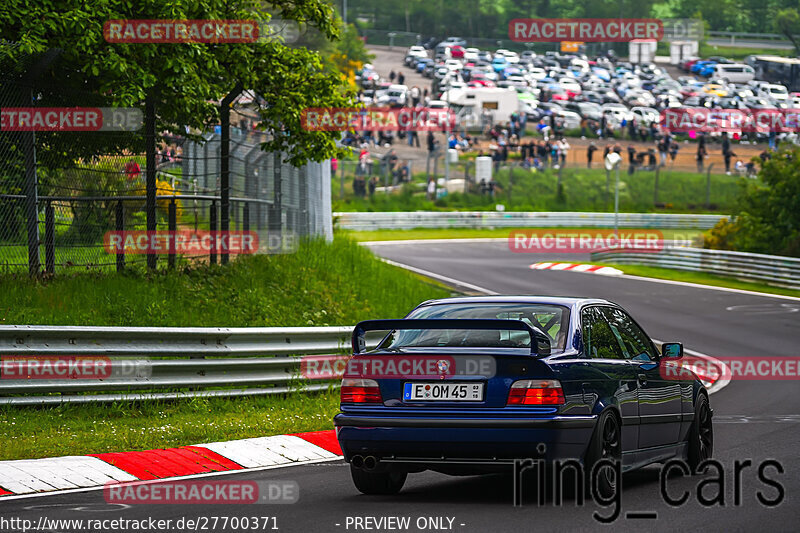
{"x": 443, "y": 391}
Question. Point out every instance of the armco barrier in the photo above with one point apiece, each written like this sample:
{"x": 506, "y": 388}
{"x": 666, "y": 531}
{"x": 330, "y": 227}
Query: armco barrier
{"x": 770, "y": 269}
{"x": 366, "y": 221}
{"x": 184, "y": 361}
{"x": 187, "y": 362}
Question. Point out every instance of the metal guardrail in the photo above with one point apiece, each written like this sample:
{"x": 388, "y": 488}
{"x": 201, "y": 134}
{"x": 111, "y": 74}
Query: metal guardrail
{"x": 367, "y": 221}
{"x": 773, "y": 270}
{"x": 181, "y": 362}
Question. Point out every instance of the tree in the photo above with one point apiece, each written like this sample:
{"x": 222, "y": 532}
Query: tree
{"x": 186, "y": 81}
{"x": 767, "y": 218}
{"x": 788, "y": 22}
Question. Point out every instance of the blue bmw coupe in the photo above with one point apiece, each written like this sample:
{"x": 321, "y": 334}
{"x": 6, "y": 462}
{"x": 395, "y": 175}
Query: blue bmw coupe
{"x": 472, "y": 385}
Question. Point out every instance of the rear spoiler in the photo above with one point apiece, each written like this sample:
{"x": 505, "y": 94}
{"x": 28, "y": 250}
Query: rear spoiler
{"x": 359, "y": 343}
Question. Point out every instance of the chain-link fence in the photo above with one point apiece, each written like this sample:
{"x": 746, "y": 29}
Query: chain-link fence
{"x": 78, "y": 199}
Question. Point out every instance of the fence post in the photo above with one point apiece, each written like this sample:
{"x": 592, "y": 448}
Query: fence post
{"x": 32, "y": 203}
{"x": 708, "y": 185}
{"x": 213, "y": 226}
{"x": 172, "y": 224}
{"x": 120, "y": 226}
{"x": 224, "y": 163}
{"x": 150, "y": 172}
{"x": 49, "y": 239}
{"x": 274, "y": 212}
{"x": 246, "y": 217}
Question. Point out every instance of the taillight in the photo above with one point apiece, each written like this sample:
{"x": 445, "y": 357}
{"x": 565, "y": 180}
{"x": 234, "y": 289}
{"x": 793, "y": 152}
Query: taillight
{"x": 536, "y": 392}
{"x": 358, "y": 390}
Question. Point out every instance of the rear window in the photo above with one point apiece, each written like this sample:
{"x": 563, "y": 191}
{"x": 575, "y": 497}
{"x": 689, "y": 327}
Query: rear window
{"x": 553, "y": 320}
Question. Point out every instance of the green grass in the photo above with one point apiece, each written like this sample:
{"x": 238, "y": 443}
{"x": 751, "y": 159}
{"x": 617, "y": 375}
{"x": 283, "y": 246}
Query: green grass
{"x": 321, "y": 284}
{"x": 28, "y": 433}
{"x": 582, "y": 190}
{"x": 337, "y": 283}
{"x": 740, "y": 53}
{"x": 471, "y": 233}
{"x": 699, "y": 277}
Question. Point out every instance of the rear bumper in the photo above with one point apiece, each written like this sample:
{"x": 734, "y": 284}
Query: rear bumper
{"x": 451, "y": 439}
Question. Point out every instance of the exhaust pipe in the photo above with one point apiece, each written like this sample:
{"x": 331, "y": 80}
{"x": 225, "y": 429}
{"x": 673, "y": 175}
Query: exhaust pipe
{"x": 370, "y": 462}
{"x": 357, "y": 461}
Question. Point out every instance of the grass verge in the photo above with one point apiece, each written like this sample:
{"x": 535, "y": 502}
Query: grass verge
{"x": 82, "y": 429}
{"x": 335, "y": 283}
{"x": 483, "y": 233}
{"x": 578, "y": 189}
{"x": 699, "y": 277}
{"x": 322, "y": 284}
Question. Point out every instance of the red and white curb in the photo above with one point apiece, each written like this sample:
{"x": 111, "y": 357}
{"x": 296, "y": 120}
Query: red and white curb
{"x": 578, "y": 267}
{"x": 33, "y": 476}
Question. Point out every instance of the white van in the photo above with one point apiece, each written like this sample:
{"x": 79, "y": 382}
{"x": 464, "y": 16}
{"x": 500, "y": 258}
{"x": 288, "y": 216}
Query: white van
{"x": 733, "y": 72}
{"x": 468, "y": 104}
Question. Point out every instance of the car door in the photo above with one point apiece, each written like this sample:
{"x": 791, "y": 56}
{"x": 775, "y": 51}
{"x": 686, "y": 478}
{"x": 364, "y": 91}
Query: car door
{"x": 659, "y": 398}
{"x": 609, "y": 376}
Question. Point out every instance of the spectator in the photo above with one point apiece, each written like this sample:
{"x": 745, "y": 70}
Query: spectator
{"x": 726, "y": 152}
{"x": 392, "y": 76}
{"x": 373, "y": 183}
{"x": 563, "y": 148}
{"x": 132, "y": 170}
{"x": 739, "y": 167}
{"x": 663, "y": 148}
{"x": 590, "y": 153}
{"x": 673, "y": 151}
{"x": 631, "y": 159}
{"x": 544, "y": 129}
{"x": 415, "y": 95}
{"x": 651, "y": 159}
{"x": 334, "y": 167}
{"x": 401, "y": 78}
{"x": 701, "y": 154}
{"x": 431, "y": 188}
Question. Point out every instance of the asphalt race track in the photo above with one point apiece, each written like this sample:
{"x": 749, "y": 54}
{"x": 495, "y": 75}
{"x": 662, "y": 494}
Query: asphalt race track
{"x": 754, "y": 420}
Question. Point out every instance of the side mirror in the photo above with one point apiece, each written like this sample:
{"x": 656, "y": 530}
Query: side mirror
{"x": 672, "y": 350}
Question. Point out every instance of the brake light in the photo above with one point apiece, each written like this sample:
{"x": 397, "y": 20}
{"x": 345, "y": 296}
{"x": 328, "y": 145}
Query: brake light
{"x": 358, "y": 390}
{"x": 536, "y": 392}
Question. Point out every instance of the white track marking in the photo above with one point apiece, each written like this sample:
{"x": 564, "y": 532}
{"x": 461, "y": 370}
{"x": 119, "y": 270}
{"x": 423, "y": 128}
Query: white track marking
{"x": 54, "y": 473}
{"x": 169, "y": 479}
{"x": 266, "y": 451}
{"x": 434, "y": 275}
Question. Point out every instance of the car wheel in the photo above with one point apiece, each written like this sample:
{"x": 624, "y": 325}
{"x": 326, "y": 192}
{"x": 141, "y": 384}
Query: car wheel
{"x": 701, "y": 434}
{"x": 389, "y": 482}
{"x": 606, "y": 444}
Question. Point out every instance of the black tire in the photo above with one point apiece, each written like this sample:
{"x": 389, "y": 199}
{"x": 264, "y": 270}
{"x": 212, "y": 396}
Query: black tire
{"x": 701, "y": 434}
{"x": 388, "y": 482}
{"x": 606, "y": 443}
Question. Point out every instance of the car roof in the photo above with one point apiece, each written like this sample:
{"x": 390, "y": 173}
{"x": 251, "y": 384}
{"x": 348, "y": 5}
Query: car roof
{"x": 525, "y": 299}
